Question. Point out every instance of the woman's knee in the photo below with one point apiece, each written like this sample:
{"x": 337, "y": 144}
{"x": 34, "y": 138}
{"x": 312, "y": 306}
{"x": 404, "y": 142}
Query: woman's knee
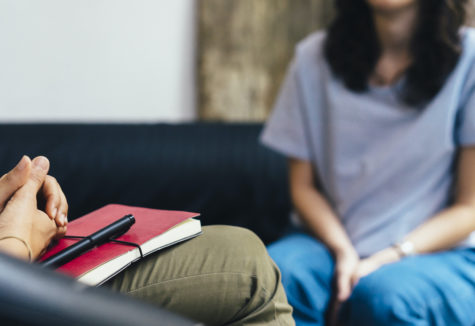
{"x": 306, "y": 266}
{"x": 377, "y": 300}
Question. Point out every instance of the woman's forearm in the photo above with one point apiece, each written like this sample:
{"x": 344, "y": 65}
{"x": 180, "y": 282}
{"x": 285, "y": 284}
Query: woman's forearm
{"x": 320, "y": 218}
{"x": 452, "y": 225}
{"x": 314, "y": 209}
{"x": 442, "y": 232}
{"x": 445, "y": 230}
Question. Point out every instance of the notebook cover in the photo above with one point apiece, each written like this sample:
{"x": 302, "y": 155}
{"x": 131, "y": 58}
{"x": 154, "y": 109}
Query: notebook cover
{"x": 149, "y": 223}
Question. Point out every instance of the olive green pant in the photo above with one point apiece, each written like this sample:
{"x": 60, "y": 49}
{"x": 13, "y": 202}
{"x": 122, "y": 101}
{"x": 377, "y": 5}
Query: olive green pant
{"x": 222, "y": 277}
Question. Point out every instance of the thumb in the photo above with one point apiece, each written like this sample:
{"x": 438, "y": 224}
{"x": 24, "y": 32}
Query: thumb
{"x": 14, "y": 179}
{"x": 40, "y": 167}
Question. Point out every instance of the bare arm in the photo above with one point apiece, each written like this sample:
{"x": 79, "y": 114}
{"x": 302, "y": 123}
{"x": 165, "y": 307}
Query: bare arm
{"x": 314, "y": 209}
{"x": 321, "y": 220}
{"x": 455, "y": 223}
{"x": 446, "y": 229}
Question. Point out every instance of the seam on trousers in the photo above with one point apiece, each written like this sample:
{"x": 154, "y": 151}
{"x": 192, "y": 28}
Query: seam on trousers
{"x": 233, "y": 319}
{"x": 190, "y": 276}
{"x": 272, "y": 297}
{"x": 266, "y": 294}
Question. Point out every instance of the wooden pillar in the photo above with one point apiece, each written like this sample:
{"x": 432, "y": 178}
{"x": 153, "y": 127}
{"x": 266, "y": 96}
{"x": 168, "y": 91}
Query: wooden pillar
{"x": 244, "y": 49}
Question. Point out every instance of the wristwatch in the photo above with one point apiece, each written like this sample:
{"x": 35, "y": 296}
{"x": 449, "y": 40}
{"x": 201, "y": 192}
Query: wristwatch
{"x": 405, "y": 248}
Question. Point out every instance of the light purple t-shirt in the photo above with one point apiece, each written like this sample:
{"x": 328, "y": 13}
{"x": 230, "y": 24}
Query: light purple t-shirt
{"x": 384, "y": 167}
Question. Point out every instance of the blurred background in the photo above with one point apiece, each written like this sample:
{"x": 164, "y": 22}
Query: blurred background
{"x": 148, "y": 60}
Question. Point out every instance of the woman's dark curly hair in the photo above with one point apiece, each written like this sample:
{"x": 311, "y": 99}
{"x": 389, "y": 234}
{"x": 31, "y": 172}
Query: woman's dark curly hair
{"x": 352, "y": 48}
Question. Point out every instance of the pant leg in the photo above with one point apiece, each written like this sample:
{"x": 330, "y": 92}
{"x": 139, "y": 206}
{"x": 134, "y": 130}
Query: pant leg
{"x": 307, "y": 272}
{"x": 436, "y": 290}
{"x": 224, "y": 276}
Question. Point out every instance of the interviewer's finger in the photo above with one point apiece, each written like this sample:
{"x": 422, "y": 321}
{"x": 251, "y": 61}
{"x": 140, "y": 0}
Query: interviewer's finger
{"x": 62, "y": 215}
{"x": 56, "y": 203}
{"x": 39, "y": 170}
{"x": 51, "y": 193}
{"x": 14, "y": 179}
{"x": 61, "y": 232}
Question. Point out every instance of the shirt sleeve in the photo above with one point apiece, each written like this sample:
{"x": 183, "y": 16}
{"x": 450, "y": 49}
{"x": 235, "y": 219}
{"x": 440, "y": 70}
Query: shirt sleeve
{"x": 284, "y": 130}
{"x": 465, "y": 132}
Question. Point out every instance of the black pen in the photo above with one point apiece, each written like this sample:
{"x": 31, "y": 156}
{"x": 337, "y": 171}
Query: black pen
{"x": 102, "y": 236}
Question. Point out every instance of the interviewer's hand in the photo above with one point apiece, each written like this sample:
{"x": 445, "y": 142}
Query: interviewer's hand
{"x": 22, "y": 218}
{"x": 10, "y": 182}
{"x": 56, "y": 204}
{"x": 51, "y": 194}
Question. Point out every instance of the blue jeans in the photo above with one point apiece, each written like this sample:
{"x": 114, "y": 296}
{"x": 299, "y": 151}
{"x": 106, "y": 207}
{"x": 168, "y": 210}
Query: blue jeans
{"x": 435, "y": 289}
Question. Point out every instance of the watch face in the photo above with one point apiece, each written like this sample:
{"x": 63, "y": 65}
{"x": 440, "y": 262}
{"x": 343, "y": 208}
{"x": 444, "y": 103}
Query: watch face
{"x": 407, "y": 248}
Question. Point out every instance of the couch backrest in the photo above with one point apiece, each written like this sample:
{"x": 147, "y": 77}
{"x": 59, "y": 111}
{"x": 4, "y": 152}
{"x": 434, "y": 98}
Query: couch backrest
{"x": 219, "y": 170}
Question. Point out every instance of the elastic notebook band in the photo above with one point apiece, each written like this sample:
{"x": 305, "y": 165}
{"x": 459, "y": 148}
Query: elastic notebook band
{"x": 125, "y": 243}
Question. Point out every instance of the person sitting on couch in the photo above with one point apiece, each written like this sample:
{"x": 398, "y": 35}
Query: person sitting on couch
{"x": 224, "y": 276}
{"x": 377, "y": 119}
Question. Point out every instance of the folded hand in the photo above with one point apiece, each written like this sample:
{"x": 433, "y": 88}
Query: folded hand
{"x": 19, "y": 213}
{"x": 51, "y": 195}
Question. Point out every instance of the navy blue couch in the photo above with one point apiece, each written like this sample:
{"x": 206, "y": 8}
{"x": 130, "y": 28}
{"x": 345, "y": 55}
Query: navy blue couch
{"x": 219, "y": 170}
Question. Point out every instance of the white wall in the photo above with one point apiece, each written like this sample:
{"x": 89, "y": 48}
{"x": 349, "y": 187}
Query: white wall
{"x": 97, "y": 60}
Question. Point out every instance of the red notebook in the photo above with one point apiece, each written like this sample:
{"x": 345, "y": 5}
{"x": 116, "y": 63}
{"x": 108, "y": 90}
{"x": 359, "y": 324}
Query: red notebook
{"x": 153, "y": 230}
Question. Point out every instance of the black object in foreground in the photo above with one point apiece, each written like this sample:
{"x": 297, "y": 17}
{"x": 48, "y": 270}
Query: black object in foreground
{"x": 102, "y": 236}
{"x": 34, "y": 296}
